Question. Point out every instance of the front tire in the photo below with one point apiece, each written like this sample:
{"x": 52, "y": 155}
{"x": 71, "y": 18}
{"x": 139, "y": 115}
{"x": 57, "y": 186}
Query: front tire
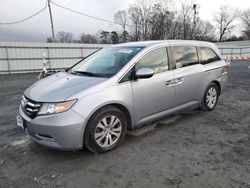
{"x": 210, "y": 97}
{"x": 105, "y": 130}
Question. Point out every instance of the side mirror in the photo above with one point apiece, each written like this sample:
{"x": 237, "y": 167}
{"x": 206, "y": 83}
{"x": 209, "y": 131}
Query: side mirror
{"x": 144, "y": 73}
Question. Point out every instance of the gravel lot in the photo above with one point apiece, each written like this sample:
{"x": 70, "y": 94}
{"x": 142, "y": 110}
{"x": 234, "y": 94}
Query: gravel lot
{"x": 194, "y": 149}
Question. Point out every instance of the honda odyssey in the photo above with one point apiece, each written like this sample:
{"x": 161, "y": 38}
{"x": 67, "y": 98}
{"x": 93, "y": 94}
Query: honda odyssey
{"x": 121, "y": 87}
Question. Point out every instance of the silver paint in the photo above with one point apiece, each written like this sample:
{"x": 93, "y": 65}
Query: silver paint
{"x": 145, "y": 99}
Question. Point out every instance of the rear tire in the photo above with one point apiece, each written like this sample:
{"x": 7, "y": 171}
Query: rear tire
{"x": 105, "y": 130}
{"x": 210, "y": 97}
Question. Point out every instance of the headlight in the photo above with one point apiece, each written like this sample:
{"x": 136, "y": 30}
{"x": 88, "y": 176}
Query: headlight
{"x": 54, "y": 108}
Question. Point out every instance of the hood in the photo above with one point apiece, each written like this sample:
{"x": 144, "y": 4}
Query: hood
{"x": 59, "y": 87}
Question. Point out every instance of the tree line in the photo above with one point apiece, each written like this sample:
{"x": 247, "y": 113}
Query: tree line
{"x": 159, "y": 20}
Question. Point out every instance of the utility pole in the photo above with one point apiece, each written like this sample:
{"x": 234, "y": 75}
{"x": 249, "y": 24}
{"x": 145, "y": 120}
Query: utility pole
{"x": 51, "y": 21}
{"x": 195, "y": 20}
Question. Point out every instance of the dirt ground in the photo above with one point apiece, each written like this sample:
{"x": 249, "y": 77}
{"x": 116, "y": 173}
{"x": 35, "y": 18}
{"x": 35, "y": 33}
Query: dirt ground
{"x": 195, "y": 149}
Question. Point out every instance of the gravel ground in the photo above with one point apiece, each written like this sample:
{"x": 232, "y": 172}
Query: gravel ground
{"x": 194, "y": 149}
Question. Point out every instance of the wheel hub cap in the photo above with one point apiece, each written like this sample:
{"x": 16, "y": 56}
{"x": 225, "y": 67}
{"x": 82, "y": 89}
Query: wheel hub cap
{"x": 108, "y": 131}
{"x": 211, "y": 97}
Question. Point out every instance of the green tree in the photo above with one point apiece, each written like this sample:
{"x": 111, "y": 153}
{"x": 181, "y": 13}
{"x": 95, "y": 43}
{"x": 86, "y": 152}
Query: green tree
{"x": 114, "y": 37}
{"x": 105, "y": 36}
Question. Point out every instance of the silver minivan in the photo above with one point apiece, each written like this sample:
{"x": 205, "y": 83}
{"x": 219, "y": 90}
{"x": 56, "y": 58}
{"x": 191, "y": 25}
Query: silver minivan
{"x": 121, "y": 87}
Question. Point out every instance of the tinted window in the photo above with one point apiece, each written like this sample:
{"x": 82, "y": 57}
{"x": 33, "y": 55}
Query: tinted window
{"x": 157, "y": 60}
{"x": 185, "y": 56}
{"x": 208, "y": 55}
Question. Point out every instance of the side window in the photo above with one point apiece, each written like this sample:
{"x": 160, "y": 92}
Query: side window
{"x": 157, "y": 60}
{"x": 208, "y": 55}
{"x": 185, "y": 56}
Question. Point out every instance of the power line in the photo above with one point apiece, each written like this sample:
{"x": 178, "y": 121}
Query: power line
{"x": 83, "y": 14}
{"x": 68, "y": 9}
{"x": 33, "y": 26}
{"x": 23, "y": 20}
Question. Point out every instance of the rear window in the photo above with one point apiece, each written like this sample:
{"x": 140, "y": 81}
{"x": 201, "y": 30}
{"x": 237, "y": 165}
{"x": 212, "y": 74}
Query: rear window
{"x": 208, "y": 55}
{"x": 185, "y": 56}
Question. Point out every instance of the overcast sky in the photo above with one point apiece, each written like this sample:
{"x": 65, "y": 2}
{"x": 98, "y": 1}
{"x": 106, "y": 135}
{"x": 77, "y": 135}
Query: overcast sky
{"x": 38, "y": 28}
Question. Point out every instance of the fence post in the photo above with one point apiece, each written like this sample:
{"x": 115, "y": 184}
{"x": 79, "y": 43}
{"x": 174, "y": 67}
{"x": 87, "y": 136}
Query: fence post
{"x": 49, "y": 58}
{"x": 240, "y": 51}
{"x": 231, "y": 52}
{"x": 81, "y": 52}
{"x": 222, "y": 51}
{"x": 7, "y": 58}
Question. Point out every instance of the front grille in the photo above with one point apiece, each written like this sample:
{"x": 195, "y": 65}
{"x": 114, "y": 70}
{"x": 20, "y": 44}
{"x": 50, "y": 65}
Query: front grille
{"x": 30, "y": 107}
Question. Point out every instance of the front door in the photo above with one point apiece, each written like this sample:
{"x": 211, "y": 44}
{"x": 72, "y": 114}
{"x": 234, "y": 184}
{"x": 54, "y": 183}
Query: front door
{"x": 155, "y": 94}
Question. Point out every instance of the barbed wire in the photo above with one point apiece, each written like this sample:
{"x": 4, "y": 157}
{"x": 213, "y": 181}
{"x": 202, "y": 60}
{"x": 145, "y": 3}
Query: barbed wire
{"x": 25, "y": 19}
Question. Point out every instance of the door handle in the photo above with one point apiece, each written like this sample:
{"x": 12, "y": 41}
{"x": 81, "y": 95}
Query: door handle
{"x": 179, "y": 80}
{"x": 174, "y": 81}
{"x": 169, "y": 82}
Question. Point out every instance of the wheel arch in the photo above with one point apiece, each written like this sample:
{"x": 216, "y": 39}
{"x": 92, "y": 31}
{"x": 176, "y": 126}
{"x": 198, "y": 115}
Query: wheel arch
{"x": 121, "y": 107}
{"x": 218, "y": 84}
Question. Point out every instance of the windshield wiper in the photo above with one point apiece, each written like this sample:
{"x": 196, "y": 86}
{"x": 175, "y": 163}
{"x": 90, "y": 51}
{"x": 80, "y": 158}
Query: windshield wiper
{"x": 86, "y": 73}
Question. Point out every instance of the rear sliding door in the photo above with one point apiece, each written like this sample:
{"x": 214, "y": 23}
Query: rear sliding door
{"x": 189, "y": 75}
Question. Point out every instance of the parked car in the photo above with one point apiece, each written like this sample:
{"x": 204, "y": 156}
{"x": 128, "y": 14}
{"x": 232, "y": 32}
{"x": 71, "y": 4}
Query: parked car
{"x": 121, "y": 87}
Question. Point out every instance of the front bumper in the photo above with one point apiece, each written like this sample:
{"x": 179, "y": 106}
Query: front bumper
{"x": 62, "y": 131}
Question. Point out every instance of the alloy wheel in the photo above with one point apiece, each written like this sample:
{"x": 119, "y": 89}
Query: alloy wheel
{"x": 108, "y": 131}
{"x": 211, "y": 97}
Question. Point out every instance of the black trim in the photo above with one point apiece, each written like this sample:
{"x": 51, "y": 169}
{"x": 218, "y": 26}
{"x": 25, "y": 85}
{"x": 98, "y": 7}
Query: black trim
{"x": 131, "y": 76}
{"x": 32, "y": 114}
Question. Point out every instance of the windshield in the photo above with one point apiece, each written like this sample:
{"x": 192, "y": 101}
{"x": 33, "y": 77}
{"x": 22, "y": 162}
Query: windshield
{"x": 106, "y": 62}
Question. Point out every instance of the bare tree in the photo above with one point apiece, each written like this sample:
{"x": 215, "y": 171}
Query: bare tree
{"x": 159, "y": 22}
{"x": 157, "y": 19}
{"x": 176, "y": 29}
{"x": 121, "y": 18}
{"x": 142, "y": 13}
{"x": 134, "y": 15}
{"x": 64, "y": 37}
{"x": 144, "y": 7}
{"x": 186, "y": 18}
{"x": 50, "y": 40}
{"x": 88, "y": 39}
{"x": 245, "y": 18}
{"x": 225, "y": 20}
{"x": 205, "y": 31}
